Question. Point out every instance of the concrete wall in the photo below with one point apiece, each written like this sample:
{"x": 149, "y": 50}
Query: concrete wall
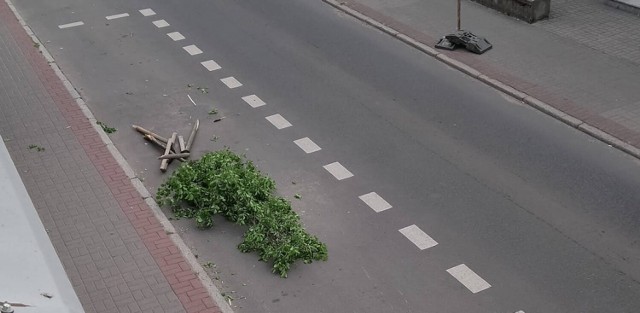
{"x": 528, "y": 10}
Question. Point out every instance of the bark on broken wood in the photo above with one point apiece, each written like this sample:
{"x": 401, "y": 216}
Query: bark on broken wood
{"x": 173, "y": 156}
{"x": 150, "y": 133}
{"x": 165, "y": 163}
{"x": 192, "y": 136}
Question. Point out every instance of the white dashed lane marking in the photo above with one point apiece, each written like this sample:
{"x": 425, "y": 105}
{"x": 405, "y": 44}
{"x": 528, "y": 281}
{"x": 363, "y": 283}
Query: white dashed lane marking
{"x": 211, "y": 65}
{"x": 113, "y": 17}
{"x": 307, "y": 145}
{"x": 338, "y": 171}
{"x": 375, "y": 202}
{"x": 74, "y": 24}
{"x": 160, "y": 23}
{"x": 147, "y": 12}
{"x": 175, "y": 36}
{"x": 278, "y": 121}
{"x": 418, "y": 237}
{"x": 468, "y": 278}
{"x": 253, "y": 101}
{"x": 192, "y": 49}
{"x": 231, "y": 82}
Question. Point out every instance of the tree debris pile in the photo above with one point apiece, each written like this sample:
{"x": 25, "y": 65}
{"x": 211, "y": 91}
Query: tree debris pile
{"x": 168, "y": 145}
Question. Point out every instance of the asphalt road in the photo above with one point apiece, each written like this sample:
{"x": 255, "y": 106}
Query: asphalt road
{"x": 544, "y": 214}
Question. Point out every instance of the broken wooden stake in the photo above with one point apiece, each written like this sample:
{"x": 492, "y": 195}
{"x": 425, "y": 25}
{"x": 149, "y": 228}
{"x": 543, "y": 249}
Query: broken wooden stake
{"x": 174, "y": 156}
{"x": 219, "y": 119}
{"x": 192, "y": 136}
{"x": 165, "y": 162}
{"x": 160, "y": 144}
{"x": 181, "y": 144}
{"x": 148, "y": 132}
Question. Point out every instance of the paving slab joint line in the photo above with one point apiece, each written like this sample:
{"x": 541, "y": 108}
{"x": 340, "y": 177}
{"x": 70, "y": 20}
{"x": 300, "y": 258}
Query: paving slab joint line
{"x": 494, "y": 83}
{"x": 204, "y": 278}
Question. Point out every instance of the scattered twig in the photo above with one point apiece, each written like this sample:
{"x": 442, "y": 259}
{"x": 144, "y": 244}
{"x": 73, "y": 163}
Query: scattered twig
{"x": 106, "y": 128}
{"x": 194, "y": 103}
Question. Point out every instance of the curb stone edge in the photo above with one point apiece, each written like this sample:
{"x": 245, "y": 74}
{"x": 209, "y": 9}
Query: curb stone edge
{"x": 204, "y": 278}
{"x": 494, "y": 83}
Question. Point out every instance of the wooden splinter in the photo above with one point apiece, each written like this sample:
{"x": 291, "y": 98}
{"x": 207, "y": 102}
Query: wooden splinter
{"x": 165, "y": 162}
{"x": 150, "y": 133}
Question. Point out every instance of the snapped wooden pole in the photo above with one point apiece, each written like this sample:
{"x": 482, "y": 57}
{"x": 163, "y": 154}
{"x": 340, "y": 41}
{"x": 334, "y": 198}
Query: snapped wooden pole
{"x": 148, "y": 132}
{"x": 174, "y": 156}
{"x": 192, "y": 136}
{"x": 181, "y": 144}
{"x": 160, "y": 145}
{"x": 165, "y": 162}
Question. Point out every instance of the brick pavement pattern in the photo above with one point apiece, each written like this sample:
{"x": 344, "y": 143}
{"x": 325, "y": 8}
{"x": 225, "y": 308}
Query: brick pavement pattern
{"x": 115, "y": 252}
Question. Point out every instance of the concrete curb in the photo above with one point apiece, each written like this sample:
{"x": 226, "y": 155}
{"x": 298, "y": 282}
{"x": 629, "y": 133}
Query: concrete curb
{"x": 204, "y": 278}
{"x": 494, "y": 83}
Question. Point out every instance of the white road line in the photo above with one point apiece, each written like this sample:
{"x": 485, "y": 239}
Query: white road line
{"x": 231, "y": 82}
{"x": 211, "y": 65}
{"x": 307, "y": 145}
{"x": 160, "y": 23}
{"x": 338, "y": 171}
{"x": 520, "y": 311}
{"x": 253, "y": 101}
{"x": 418, "y": 237}
{"x": 192, "y": 49}
{"x": 375, "y": 202}
{"x": 468, "y": 278}
{"x": 74, "y": 24}
{"x": 278, "y": 121}
{"x": 175, "y": 36}
{"x": 113, "y": 17}
{"x": 147, "y": 12}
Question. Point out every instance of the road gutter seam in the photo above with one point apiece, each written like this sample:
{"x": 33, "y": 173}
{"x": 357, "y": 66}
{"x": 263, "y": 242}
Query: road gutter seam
{"x": 494, "y": 83}
{"x": 202, "y": 275}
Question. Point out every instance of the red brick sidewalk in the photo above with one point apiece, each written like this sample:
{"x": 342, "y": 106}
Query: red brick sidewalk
{"x": 116, "y": 253}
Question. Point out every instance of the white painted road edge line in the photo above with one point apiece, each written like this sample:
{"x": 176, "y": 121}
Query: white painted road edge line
{"x": 175, "y": 36}
{"x": 147, "y": 12}
{"x": 74, "y": 24}
{"x": 253, "y": 101}
{"x": 115, "y": 16}
{"x": 231, "y": 82}
{"x": 338, "y": 171}
{"x": 307, "y": 145}
{"x": 278, "y": 121}
{"x": 418, "y": 237}
{"x": 468, "y": 278}
{"x": 192, "y": 49}
{"x": 375, "y": 202}
{"x": 211, "y": 65}
{"x": 160, "y": 23}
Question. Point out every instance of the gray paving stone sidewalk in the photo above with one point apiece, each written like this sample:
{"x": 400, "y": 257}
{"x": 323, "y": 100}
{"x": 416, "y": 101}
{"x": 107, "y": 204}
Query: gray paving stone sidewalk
{"x": 113, "y": 250}
{"x": 583, "y": 60}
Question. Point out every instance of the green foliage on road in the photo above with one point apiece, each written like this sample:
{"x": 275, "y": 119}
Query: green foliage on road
{"x": 224, "y": 183}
